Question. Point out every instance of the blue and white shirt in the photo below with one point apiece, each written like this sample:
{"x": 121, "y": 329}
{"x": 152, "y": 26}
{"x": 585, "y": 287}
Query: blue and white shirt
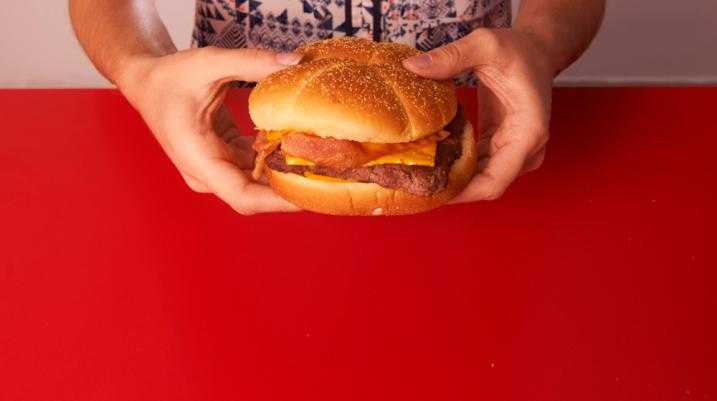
{"x": 286, "y": 24}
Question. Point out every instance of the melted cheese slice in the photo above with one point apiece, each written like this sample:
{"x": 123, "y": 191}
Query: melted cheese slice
{"x": 417, "y": 153}
{"x": 297, "y": 161}
{"x": 326, "y": 178}
{"x": 275, "y": 135}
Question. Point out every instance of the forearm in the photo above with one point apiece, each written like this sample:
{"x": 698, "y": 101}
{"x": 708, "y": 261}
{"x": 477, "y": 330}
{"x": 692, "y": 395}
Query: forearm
{"x": 562, "y": 28}
{"x": 115, "y": 33}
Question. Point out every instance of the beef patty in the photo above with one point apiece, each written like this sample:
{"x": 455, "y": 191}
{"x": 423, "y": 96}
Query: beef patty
{"x": 417, "y": 180}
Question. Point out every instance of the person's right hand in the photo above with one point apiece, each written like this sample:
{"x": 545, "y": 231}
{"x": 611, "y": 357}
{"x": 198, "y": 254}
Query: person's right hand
{"x": 180, "y": 96}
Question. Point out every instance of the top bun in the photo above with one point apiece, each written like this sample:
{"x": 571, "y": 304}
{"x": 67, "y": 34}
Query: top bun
{"x": 353, "y": 89}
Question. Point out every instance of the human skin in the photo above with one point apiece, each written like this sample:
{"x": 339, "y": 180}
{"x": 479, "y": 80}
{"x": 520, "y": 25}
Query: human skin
{"x": 180, "y": 94}
{"x": 516, "y": 68}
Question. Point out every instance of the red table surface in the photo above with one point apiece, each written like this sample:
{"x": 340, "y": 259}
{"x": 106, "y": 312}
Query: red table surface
{"x": 591, "y": 279}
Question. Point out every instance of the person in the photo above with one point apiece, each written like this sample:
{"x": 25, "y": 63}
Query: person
{"x": 180, "y": 94}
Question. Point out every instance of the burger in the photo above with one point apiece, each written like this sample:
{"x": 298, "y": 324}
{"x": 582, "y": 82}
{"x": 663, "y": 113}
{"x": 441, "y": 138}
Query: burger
{"x": 349, "y": 131}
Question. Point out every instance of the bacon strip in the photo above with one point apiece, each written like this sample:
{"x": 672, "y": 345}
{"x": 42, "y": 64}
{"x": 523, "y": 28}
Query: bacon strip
{"x": 328, "y": 152}
{"x": 336, "y": 153}
{"x": 263, "y": 147}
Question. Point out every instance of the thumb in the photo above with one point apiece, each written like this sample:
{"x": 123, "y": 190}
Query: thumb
{"x": 246, "y": 197}
{"x": 448, "y": 61}
{"x": 245, "y": 64}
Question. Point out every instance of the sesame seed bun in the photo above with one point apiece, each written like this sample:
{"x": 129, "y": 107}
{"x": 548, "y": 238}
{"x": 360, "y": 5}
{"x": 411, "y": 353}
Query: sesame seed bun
{"x": 353, "y": 89}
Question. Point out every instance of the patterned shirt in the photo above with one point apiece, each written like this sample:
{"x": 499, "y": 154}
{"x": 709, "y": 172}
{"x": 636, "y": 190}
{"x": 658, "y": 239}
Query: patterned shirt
{"x": 286, "y": 24}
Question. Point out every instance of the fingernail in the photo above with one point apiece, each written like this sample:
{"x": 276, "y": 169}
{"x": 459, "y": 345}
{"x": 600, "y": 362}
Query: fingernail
{"x": 421, "y": 62}
{"x": 288, "y": 58}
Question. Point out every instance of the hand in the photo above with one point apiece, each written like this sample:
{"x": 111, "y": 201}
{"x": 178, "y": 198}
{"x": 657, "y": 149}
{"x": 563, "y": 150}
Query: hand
{"x": 514, "y": 101}
{"x": 180, "y": 96}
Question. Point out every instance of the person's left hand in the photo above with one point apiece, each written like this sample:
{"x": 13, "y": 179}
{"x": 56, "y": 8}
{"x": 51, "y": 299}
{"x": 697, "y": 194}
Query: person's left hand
{"x": 514, "y": 101}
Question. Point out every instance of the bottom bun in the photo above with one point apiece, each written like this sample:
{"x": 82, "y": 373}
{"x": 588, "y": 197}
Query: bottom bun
{"x": 367, "y": 199}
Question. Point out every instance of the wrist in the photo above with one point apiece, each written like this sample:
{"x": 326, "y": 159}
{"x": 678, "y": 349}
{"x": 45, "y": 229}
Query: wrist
{"x": 545, "y": 53}
{"x": 133, "y": 73}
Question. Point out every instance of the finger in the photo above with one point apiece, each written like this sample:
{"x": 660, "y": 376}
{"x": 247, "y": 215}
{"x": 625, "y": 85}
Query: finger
{"x": 244, "y": 154}
{"x": 261, "y": 180}
{"x": 483, "y": 146}
{"x": 244, "y": 64}
{"x": 194, "y": 184}
{"x": 233, "y": 187}
{"x": 534, "y": 162}
{"x": 454, "y": 58}
{"x": 500, "y": 170}
{"x": 491, "y": 111}
{"x": 240, "y": 146}
{"x": 223, "y": 122}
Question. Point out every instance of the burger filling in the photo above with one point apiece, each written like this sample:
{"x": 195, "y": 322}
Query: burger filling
{"x": 420, "y": 167}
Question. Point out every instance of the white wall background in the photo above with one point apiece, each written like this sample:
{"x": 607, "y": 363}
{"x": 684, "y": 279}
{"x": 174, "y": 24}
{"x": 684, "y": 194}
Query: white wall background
{"x": 642, "y": 41}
